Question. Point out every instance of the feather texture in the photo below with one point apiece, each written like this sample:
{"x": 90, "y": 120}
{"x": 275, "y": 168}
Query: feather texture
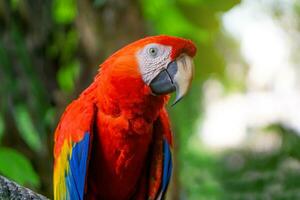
{"x": 76, "y": 175}
{"x": 167, "y": 167}
{"x": 73, "y": 138}
{"x": 114, "y": 142}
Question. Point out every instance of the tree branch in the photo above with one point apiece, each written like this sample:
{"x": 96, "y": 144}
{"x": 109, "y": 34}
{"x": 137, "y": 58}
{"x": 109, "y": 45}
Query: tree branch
{"x": 11, "y": 190}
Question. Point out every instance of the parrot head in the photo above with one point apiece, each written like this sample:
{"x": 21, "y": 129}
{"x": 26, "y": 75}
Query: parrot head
{"x": 164, "y": 63}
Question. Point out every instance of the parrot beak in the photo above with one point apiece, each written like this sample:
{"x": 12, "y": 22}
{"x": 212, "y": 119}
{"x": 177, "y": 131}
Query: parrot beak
{"x": 177, "y": 77}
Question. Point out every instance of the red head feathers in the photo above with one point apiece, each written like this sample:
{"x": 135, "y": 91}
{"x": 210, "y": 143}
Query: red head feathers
{"x": 146, "y": 59}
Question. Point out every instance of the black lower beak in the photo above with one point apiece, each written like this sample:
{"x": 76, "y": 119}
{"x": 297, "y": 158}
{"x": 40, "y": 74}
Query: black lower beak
{"x": 164, "y": 83}
{"x": 177, "y": 77}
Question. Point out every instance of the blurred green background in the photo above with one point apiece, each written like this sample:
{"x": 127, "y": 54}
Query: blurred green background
{"x": 236, "y": 133}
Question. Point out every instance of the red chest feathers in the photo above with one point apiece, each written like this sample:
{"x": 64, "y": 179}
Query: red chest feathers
{"x": 119, "y": 155}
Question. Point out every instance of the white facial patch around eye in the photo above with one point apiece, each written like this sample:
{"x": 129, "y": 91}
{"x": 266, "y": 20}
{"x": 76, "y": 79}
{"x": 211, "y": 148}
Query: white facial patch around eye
{"x": 152, "y": 59}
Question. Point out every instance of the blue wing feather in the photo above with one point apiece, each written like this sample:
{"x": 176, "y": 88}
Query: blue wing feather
{"x": 75, "y": 178}
{"x": 167, "y": 167}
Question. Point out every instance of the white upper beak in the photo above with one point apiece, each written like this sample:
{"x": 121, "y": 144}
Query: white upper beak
{"x": 183, "y": 77}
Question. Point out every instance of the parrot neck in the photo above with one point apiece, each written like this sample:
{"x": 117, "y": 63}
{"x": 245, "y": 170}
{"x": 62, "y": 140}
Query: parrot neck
{"x": 128, "y": 96}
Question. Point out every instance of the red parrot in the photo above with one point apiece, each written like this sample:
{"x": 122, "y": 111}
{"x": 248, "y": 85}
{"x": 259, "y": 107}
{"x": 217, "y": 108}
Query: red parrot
{"x": 114, "y": 142}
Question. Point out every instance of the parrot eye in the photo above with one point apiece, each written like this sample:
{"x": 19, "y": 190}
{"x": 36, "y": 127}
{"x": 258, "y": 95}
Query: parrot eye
{"x": 153, "y": 51}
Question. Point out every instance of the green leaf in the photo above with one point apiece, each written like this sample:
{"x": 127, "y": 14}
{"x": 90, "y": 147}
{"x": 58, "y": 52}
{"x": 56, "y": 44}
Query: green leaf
{"x": 26, "y": 128}
{"x": 50, "y": 117}
{"x": 67, "y": 75}
{"x": 64, "y": 11}
{"x": 17, "y": 167}
{"x": 213, "y": 5}
{"x": 14, "y": 4}
{"x": 173, "y": 22}
{"x": 69, "y": 44}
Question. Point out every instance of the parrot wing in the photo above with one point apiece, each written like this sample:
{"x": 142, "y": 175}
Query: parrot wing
{"x": 73, "y": 138}
{"x": 167, "y": 167}
{"x": 161, "y": 161}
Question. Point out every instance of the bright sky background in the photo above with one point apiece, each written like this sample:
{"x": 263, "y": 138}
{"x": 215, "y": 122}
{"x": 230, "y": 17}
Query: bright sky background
{"x": 272, "y": 94}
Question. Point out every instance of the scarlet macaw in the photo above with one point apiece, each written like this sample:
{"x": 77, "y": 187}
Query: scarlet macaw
{"x": 114, "y": 141}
